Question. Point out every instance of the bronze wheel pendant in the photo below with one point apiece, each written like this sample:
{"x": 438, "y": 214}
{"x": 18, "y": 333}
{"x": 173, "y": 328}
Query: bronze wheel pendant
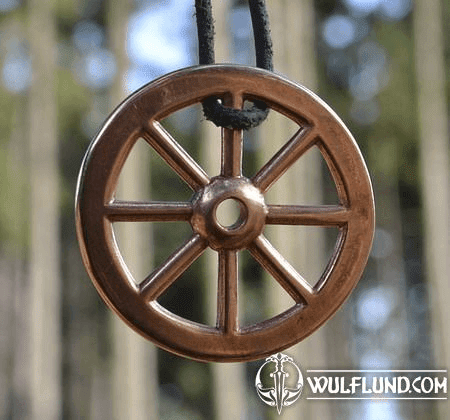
{"x": 136, "y": 304}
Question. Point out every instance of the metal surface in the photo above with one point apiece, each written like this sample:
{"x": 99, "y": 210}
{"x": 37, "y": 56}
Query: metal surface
{"x": 97, "y": 209}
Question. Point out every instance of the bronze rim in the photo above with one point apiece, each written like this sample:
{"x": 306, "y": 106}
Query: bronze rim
{"x": 97, "y": 209}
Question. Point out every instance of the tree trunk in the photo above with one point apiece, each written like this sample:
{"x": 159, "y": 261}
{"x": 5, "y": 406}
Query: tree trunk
{"x": 14, "y": 322}
{"x": 45, "y": 327}
{"x": 293, "y": 36}
{"x": 135, "y": 385}
{"x": 391, "y": 338}
{"x": 435, "y": 169}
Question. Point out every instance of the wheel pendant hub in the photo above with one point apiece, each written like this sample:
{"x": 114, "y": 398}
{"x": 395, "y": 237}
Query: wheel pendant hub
{"x": 251, "y": 208}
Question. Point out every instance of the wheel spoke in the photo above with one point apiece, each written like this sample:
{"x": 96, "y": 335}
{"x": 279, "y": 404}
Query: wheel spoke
{"x": 175, "y": 156}
{"x": 231, "y": 152}
{"x": 227, "y": 299}
{"x": 166, "y": 274}
{"x": 308, "y": 215}
{"x": 284, "y": 158}
{"x": 132, "y": 211}
{"x": 232, "y": 141}
{"x": 271, "y": 260}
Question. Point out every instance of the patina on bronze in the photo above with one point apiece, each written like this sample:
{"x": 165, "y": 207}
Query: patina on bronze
{"x": 97, "y": 209}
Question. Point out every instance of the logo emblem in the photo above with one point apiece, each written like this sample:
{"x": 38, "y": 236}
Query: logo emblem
{"x": 279, "y": 395}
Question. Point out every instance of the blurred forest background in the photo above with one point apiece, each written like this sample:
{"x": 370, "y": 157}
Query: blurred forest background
{"x": 382, "y": 65}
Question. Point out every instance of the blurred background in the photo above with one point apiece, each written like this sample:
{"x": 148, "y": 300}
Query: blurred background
{"x": 382, "y": 65}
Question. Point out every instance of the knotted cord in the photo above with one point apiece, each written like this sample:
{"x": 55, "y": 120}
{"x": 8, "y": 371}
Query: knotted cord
{"x": 213, "y": 109}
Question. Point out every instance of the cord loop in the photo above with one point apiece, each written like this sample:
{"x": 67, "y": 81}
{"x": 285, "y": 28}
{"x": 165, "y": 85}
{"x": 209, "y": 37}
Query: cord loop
{"x": 213, "y": 109}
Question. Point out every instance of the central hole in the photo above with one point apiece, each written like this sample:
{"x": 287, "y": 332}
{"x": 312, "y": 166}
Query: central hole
{"x": 230, "y": 213}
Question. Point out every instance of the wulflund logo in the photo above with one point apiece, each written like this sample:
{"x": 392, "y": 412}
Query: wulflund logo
{"x": 275, "y": 391}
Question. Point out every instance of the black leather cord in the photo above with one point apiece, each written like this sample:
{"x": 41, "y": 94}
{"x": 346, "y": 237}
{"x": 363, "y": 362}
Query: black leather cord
{"x": 213, "y": 109}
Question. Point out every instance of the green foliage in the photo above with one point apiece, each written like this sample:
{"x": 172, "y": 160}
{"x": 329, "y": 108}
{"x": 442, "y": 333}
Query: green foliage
{"x": 66, "y": 11}
{"x": 398, "y": 119}
{"x": 73, "y": 101}
{"x": 6, "y": 116}
{"x": 13, "y": 208}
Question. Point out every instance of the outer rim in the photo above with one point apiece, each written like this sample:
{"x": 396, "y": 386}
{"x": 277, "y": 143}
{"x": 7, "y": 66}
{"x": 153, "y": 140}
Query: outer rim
{"x": 96, "y": 187}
